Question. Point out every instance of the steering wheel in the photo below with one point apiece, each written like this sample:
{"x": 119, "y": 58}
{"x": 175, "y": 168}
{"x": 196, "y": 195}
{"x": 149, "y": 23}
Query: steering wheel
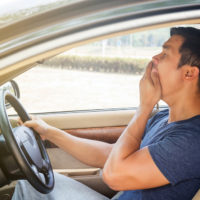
{"x": 26, "y": 147}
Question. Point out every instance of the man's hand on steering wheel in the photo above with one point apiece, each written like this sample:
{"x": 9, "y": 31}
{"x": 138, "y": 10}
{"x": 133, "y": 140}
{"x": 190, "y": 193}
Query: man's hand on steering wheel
{"x": 38, "y": 125}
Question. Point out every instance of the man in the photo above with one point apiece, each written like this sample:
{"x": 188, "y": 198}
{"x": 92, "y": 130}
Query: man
{"x": 153, "y": 159}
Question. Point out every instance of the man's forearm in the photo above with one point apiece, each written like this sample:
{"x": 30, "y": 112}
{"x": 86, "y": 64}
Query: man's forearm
{"x": 129, "y": 141}
{"x": 91, "y": 152}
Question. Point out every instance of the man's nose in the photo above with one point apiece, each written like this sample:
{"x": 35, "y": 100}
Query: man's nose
{"x": 155, "y": 59}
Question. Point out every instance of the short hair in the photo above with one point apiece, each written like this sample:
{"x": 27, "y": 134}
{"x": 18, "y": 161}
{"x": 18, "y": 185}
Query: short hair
{"x": 190, "y": 49}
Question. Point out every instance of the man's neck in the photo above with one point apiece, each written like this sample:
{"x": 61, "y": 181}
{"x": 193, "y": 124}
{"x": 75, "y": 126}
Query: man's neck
{"x": 184, "y": 109}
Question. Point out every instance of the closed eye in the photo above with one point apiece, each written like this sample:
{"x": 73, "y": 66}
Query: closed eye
{"x": 163, "y": 55}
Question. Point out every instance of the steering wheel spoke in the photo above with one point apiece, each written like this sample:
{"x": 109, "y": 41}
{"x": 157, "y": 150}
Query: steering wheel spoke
{"x": 40, "y": 175}
{"x": 35, "y": 170}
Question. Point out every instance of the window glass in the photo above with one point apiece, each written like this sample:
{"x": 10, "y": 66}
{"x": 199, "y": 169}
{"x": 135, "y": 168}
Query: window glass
{"x": 104, "y": 74}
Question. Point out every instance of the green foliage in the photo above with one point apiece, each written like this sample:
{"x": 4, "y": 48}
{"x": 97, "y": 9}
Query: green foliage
{"x": 98, "y": 64}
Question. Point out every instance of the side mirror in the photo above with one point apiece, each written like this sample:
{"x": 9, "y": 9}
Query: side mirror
{"x": 13, "y": 88}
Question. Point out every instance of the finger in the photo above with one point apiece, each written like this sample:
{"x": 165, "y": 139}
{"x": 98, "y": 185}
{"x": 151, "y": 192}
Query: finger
{"x": 155, "y": 78}
{"x": 19, "y": 122}
{"x": 43, "y": 137}
{"x": 33, "y": 117}
{"x": 147, "y": 73}
{"x": 149, "y": 69}
{"x": 30, "y": 123}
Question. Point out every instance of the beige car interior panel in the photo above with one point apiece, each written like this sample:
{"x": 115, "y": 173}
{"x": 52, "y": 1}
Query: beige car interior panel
{"x": 73, "y": 168}
{"x": 78, "y": 172}
{"x": 89, "y": 119}
{"x": 83, "y": 120}
{"x": 66, "y": 161}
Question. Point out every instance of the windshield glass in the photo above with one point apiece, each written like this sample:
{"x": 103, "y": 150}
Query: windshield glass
{"x": 14, "y": 10}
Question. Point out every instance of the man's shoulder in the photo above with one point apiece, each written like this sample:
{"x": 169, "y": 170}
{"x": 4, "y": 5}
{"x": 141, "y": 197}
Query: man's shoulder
{"x": 160, "y": 114}
{"x": 163, "y": 114}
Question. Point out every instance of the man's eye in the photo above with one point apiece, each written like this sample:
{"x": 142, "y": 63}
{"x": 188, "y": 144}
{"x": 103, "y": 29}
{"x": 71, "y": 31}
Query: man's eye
{"x": 164, "y": 55}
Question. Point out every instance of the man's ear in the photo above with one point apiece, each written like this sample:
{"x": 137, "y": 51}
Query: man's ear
{"x": 190, "y": 72}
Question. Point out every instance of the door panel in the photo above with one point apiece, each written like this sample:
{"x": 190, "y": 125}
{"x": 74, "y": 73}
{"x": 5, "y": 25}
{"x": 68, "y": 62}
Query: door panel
{"x": 99, "y": 134}
{"x": 104, "y": 126}
{"x": 93, "y": 119}
{"x": 91, "y": 125}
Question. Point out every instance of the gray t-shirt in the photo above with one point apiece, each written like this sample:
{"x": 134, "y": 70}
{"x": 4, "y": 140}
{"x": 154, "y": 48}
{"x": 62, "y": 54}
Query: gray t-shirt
{"x": 175, "y": 149}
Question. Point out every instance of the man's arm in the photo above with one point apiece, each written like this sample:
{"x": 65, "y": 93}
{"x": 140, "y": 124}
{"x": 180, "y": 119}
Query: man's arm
{"x": 128, "y": 167}
{"x": 90, "y": 152}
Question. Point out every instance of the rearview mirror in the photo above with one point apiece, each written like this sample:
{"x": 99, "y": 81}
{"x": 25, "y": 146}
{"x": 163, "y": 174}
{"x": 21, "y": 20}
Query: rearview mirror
{"x": 13, "y": 88}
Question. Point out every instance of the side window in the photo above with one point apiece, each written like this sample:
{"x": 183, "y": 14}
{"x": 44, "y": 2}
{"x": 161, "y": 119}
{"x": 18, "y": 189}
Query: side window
{"x": 104, "y": 74}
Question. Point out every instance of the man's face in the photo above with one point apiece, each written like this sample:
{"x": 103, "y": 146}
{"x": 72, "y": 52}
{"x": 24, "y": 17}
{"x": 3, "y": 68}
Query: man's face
{"x": 167, "y": 62}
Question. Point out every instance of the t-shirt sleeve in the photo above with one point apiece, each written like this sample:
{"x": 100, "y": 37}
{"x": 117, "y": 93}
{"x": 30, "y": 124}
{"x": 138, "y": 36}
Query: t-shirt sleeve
{"x": 178, "y": 156}
{"x": 151, "y": 121}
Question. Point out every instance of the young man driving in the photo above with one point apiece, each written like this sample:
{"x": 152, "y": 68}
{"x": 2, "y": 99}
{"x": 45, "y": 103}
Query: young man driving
{"x": 156, "y": 158}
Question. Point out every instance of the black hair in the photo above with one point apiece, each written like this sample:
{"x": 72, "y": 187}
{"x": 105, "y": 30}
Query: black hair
{"x": 190, "y": 49}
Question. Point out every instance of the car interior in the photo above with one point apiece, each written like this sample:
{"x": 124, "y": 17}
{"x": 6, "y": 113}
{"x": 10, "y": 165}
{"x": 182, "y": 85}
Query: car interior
{"x": 41, "y": 37}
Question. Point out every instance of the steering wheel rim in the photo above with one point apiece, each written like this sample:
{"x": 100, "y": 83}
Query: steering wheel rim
{"x": 38, "y": 173}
